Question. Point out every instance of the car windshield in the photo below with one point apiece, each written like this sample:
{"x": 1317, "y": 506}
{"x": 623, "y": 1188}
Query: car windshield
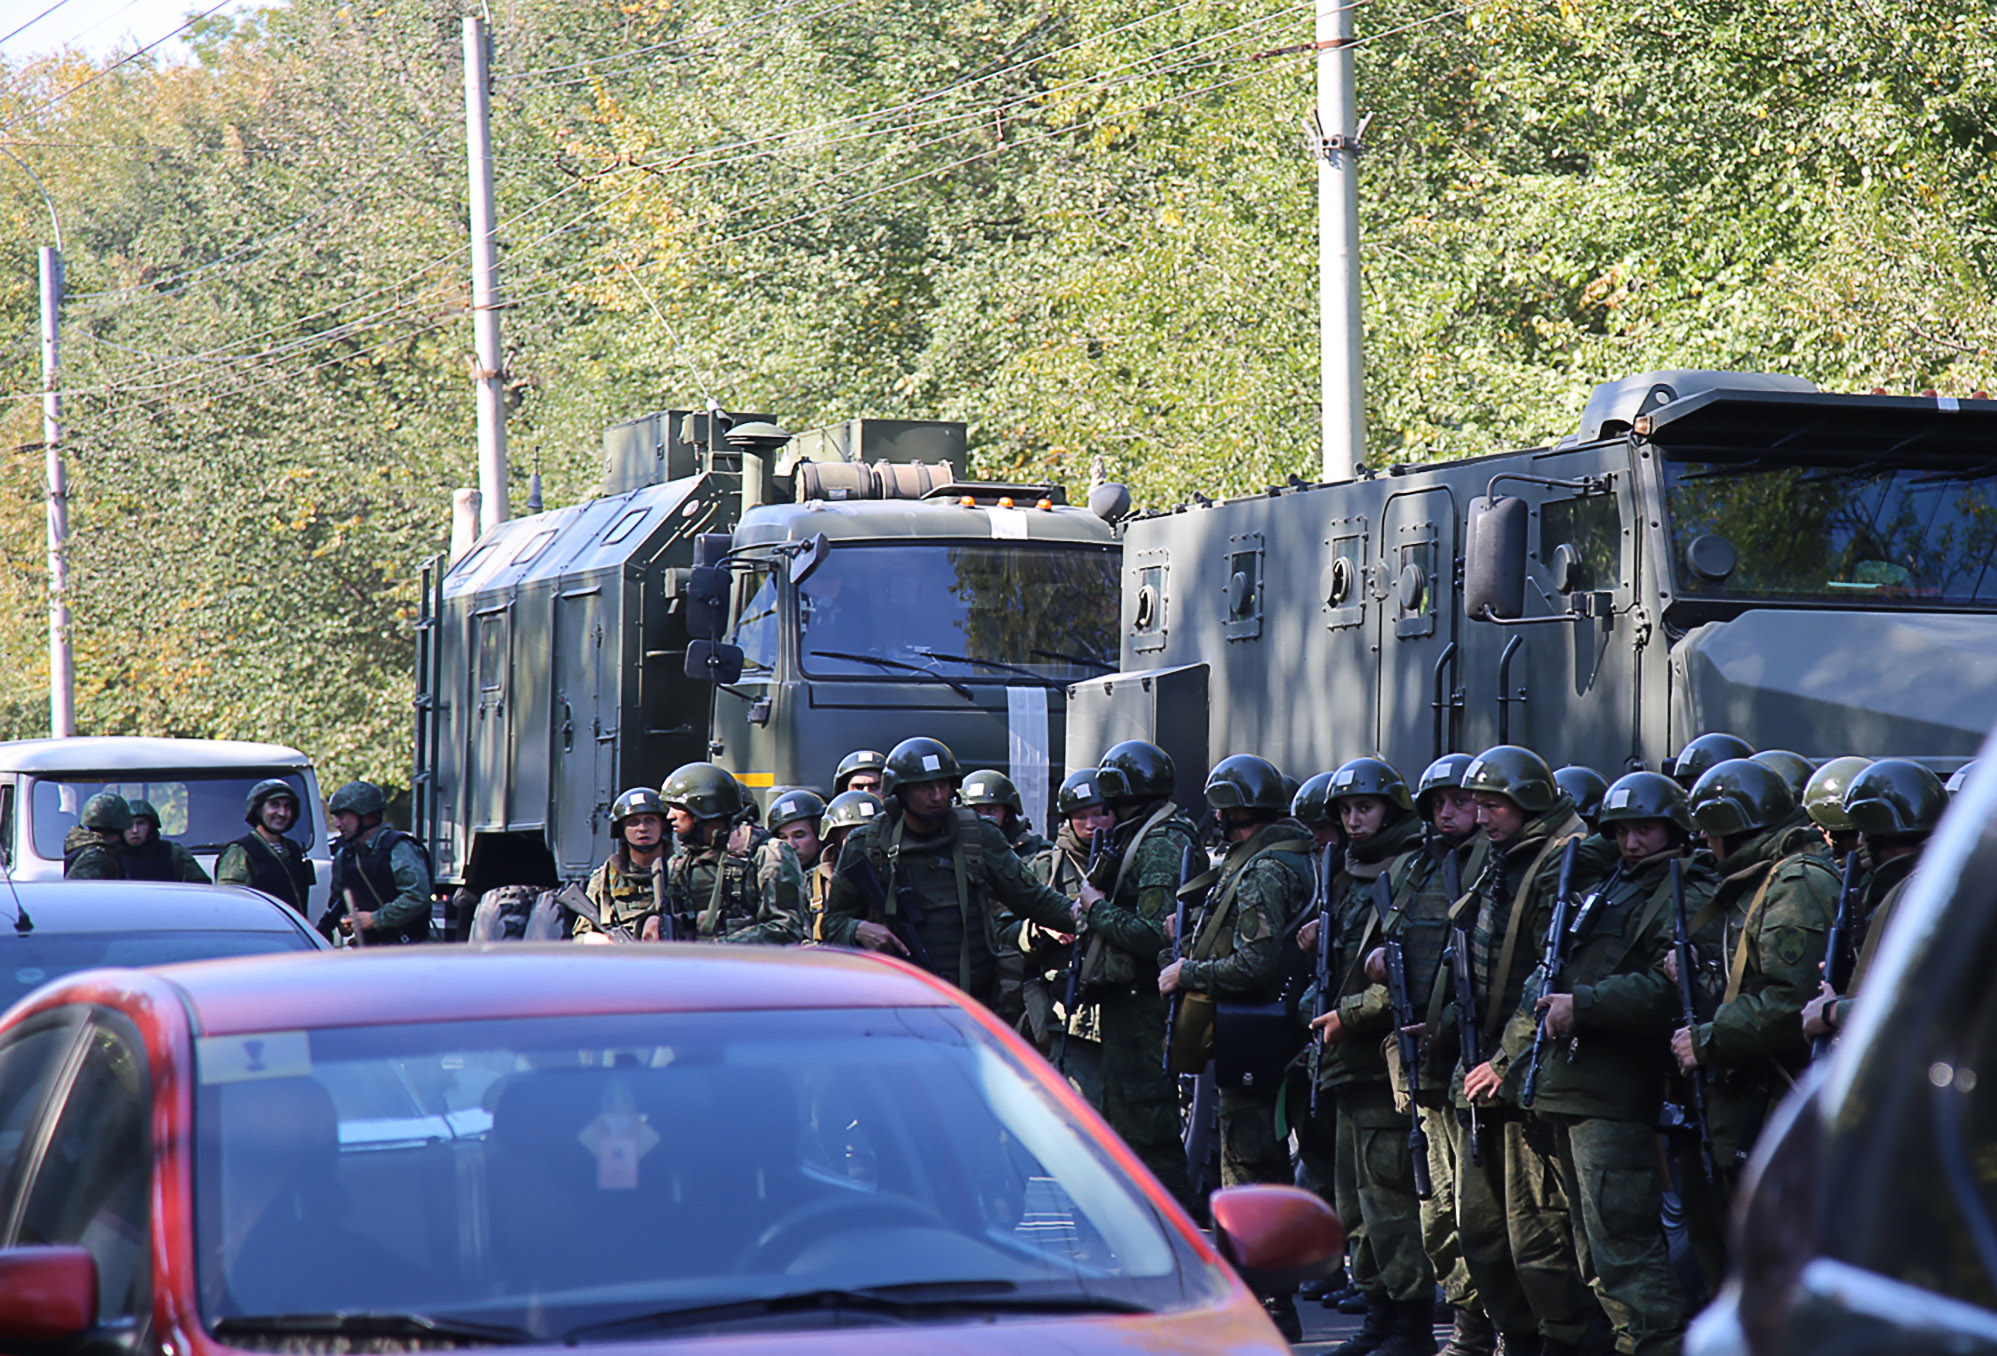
{"x": 576, "y": 1178}
{"x": 200, "y": 810}
{"x": 1858, "y": 536}
{"x": 30, "y": 960}
{"x": 977, "y": 612}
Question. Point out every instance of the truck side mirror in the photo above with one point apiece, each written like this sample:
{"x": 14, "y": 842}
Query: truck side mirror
{"x": 707, "y": 602}
{"x": 805, "y": 562}
{"x": 714, "y": 661}
{"x": 1494, "y": 553}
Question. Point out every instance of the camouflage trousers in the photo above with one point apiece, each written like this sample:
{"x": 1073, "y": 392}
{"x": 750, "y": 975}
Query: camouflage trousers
{"x": 1375, "y": 1183}
{"x": 1612, "y": 1176}
{"x": 1137, "y": 1097}
{"x": 1438, "y": 1213}
{"x": 1513, "y": 1224}
{"x": 1249, "y": 1149}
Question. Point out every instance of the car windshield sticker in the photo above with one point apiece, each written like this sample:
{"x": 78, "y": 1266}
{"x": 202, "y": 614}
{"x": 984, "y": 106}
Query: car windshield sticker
{"x": 264, "y": 1054}
{"x": 29, "y": 976}
{"x": 619, "y": 1137}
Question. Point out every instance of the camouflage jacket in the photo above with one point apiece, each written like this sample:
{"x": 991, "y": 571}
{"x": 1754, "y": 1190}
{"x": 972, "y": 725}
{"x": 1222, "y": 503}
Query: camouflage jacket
{"x": 1882, "y": 893}
{"x": 1615, "y": 1064}
{"x": 746, "y": 887}
{"x": 1143, "y": 885}
{"x": 622, "y": 894}
{"x": 1778, "y": 911}
{"x": 1262, "y": 889}
{"x": 1358, "y": 927}
{"x": 88, "y": 855}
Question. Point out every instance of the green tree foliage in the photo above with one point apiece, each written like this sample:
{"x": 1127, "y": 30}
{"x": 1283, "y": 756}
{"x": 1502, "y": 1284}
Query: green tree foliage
{"x": 1087, "y": 229}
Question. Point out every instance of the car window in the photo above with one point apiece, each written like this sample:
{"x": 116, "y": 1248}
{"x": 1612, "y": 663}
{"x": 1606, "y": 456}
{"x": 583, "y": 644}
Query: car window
{"x": 91, "y": 1184}
{"x": 202, "y": 810}
{"x": 29, "y": 961}
{"x": 30, "y": 1058}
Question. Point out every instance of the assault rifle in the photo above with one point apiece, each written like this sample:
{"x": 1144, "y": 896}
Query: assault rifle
{"x": 905, "y": 922}
{"x": 1838, "y": 958}
{"x": 1469, "y": 1038}
{"x": 1321, "y": 962}
{"x": 575, "y": 901}
{"x": 1098, "y": 843}
{"x": 1190, "y": 865}
{"x": 1688, "y": 1014}
{"x": 1551, "y": 962}
{"x": 1403, "y": 1006}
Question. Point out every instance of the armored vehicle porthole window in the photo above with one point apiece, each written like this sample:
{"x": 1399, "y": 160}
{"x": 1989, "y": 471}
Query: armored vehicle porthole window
{"x": 1243, "y": 586}
{"x": 1342, "y": 580}
{"x": 1148, "y": 620}
{"x": 1590, "y": 528}
{"x": 491, "y": 651}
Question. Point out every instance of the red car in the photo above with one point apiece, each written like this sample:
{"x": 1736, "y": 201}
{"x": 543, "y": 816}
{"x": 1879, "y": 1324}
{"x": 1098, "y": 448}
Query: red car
{"x": 427, "y": 1148}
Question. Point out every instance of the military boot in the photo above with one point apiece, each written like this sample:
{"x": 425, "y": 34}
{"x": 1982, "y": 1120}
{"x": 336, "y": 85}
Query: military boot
{"x": 1374, "y": 1332}
{"x": 1414, "y": 1329}
{"x": 1282, "y": 1311}
{"x": 1472, "y": 1335}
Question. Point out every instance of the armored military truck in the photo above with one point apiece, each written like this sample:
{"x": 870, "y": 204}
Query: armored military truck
{"x": 763, "y": 601}
{"x": 1710, "y": 550}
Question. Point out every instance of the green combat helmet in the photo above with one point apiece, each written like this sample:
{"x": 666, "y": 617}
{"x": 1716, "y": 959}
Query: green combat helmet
{"x": 269, "y": 789}
{"x": 1959, "y": 778}
{"x": 704, "y": 791}
{"x": 143, "y": 809}
{"x": 1370, "y": 777}
{"x": 1079, "y": 790}
{"x": 1312, "y": 803}
{"x": 1445, "y": 773}
{"x": 1584, "y": 786}
{"x": 1514, "y": 772}
{"x": 639, "y": 800}
{"x": 106, "y": 812}
{"x": 1823, "y": 794}
{"x": 1136, "y": 770}
{"x": 1244, "y": 782}
{"x": 1738, "y": 796}
{"x": 1646, "y": 795}
{"x": 1794, "y": 767}
{"x": 918, "y": 760}
{"x": 849, "y": 810}
{"x": 1701, "y": 755}
{"x": 987, "y": 787}
{"x": 793, "y": 805}
{"x": 358, "y": 798}
{"x": 858, "y": 761}
{"x": 1895, "y": 797}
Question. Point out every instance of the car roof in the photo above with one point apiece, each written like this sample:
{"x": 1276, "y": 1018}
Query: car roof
{"x": 394, "y": 985}
{"x": 56, "y": 906}
{"x": 134, "y": 753}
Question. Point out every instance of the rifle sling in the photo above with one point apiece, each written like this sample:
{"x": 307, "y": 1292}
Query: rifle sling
{"x": 1092, "y": 957}
{"x": 1494, "y": 1020}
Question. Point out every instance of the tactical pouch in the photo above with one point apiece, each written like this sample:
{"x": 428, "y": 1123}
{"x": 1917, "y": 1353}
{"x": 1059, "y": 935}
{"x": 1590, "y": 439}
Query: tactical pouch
{"x": 1192, "y": 1038}
{"x": 1107, "y": 969}
{"x": 1252, "y": 1044}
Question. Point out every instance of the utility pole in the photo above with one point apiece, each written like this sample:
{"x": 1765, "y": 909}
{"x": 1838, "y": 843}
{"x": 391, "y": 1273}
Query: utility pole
{"x": 1336, "y": 145}
{"x": 62, "y": 671}
{"x": 485, "y": 284}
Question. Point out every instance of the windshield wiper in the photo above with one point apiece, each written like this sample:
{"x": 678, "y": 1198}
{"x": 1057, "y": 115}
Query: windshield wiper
{"x": 1019, "y": 669}
{"x": 917, "y": 1300}
{"x": 924, "y": 669}
{"x": 1083, "y": 660}
{"x": 373, "y": 1325}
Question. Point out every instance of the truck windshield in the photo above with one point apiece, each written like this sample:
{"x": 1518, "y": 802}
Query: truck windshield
{"x": 201, "y": 811}
{"x": 1866, "y": 535}
{"x": 978, "y": 612}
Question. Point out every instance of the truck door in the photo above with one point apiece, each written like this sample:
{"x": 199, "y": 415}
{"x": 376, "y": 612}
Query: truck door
{"x": 487, "y": 743}
{"x": 584, "y": 766}
{"x": 1415, "y": 628}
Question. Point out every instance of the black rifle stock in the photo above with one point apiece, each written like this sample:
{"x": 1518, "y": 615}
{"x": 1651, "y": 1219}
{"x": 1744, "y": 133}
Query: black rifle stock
{"x": 1551, "y": 962}
{"x": 1838, "y": 956}
{"x": 1688, "y": 1013}
{"x": 1071, "y": 991}
{"x": 1321, "y": 967}
{"x": 906, "y": 921}
{"x": 1190, "y": 864}
{"x": 1402, "y": 1003}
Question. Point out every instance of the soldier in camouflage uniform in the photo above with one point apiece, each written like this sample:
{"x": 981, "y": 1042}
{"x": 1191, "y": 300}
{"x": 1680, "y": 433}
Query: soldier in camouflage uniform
{"x": 151, "y": 857}
{"x": 95, "y": 848}
{"x": 1603, "y": 1064}
{"x": 1074, "y": 1037}
{"x": 859, "y": 770}
{"x": 1124, "y": 911}
{"x": 1823, "y": 802}
{"x": 628, "y": 889}
{"x": 847, "y": 811}
{"x": 264, "y": 859}
{"x": 929, "y": 879}
{"x": 1317, "y": 1130}
{"x": 1705, "y": 752}
{"x": 1374, "y": 1177}
{"x": 1234, "y": 954}
{"x": 1511, "y": 1210}
{"x": 731, "y": 881}
{"x": 1894, "y": 805}
{"x": 1778, "y": 907}
{"x": 381, "y": 884}
{"x": 794, "y": 817}
{"x": 991, "y": 795}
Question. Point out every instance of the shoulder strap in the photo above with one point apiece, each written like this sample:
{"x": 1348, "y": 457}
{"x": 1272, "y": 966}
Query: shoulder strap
{"x": 1164, "y": 812}
{"x": 1218, "y": 908}
{"x": 1494, "y": 1020}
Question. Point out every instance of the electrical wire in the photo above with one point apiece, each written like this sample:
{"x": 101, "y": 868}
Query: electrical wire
{"x": 92, "y": 79}
{"x": 37, "y": 19}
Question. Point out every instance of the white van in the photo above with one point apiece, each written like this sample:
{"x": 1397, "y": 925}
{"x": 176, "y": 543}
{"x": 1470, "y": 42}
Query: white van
{"x": 197, "y": 785}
